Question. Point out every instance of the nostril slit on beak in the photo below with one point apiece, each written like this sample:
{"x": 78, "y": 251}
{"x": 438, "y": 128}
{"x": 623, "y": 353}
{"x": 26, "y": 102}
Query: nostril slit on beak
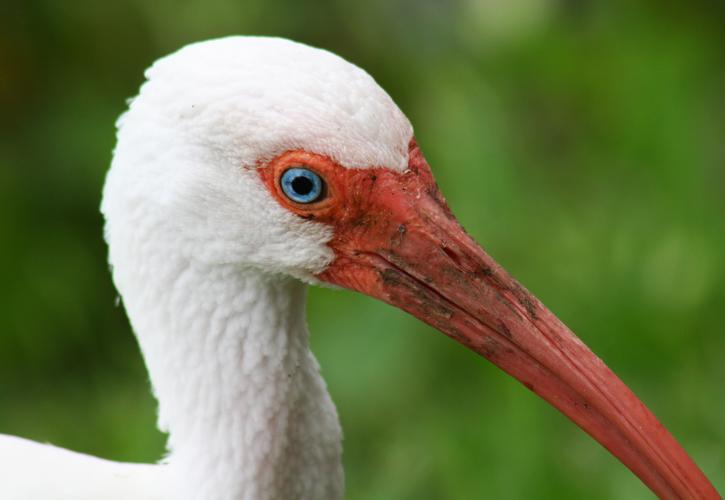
{"x": 451, "y": 255}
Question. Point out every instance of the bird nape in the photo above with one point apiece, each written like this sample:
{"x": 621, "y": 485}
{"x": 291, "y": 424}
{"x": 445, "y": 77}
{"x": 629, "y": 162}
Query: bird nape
{"x": 245, "y": 169}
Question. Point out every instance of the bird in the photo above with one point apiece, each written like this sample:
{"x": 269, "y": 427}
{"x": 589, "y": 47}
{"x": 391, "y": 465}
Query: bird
{"x": 245, "y": 170}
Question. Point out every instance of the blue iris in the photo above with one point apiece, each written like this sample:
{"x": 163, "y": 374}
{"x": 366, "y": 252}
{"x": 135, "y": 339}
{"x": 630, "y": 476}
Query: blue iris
{"x": 302, "y": 185}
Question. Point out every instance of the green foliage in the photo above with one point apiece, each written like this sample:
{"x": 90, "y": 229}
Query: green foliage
{"x": 583, "y": 143}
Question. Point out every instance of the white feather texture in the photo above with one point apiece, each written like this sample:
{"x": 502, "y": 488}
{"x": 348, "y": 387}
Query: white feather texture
{"x": 33, "y": 471}
{"x": 207, "y": 263}
{"x": 248, "y": 99}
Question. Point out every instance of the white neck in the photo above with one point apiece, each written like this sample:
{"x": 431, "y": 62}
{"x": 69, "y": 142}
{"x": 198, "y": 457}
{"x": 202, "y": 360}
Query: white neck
{"x": 240, "y": 394}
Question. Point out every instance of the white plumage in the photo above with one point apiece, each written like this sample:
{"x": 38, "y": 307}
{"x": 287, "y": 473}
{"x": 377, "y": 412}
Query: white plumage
{"x": 245, "y": 169}
{"x": 206, "y": 262}
{"x": 33, "y": 471}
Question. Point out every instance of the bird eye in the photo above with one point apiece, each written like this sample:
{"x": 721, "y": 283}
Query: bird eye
{"x": 302, "y": 185}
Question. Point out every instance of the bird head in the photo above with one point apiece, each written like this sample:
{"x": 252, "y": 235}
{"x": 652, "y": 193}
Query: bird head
{"x": 267, "y": 154}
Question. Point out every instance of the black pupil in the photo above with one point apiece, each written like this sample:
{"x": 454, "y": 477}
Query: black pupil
{"x": 302, "y": 185}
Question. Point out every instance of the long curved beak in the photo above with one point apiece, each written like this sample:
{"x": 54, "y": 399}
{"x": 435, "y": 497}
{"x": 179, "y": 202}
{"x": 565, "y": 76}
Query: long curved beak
{"x": 402, "y": 245}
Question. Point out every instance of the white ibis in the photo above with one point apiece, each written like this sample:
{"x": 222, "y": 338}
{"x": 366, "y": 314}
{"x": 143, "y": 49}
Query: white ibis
{"x": 246, "y": 169}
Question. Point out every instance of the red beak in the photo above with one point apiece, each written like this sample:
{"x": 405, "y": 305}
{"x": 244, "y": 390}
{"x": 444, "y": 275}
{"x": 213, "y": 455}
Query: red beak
{"x": 396, "y": 240}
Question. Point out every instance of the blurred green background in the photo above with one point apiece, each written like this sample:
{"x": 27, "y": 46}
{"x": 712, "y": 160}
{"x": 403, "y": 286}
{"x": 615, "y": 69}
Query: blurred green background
{"x": 583, "y": 143}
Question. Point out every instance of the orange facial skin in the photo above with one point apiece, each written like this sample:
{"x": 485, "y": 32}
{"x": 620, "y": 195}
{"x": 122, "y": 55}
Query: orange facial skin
{"x": 395, "y": 239}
